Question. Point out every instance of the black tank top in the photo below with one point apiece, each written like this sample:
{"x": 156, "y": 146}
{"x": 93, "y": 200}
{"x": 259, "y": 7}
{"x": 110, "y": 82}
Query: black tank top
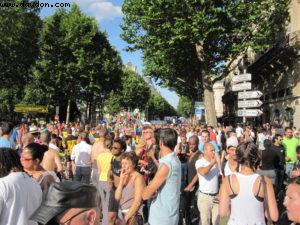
{"x": 115, "y": 167}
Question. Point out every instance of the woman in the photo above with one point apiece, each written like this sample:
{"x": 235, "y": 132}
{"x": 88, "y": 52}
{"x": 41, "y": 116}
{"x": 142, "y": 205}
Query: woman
{"x": 31, "y": 159}
{"x": 129, "y": 190}
{"x": 292, "y": 200}
{"x": 245, "y": 188}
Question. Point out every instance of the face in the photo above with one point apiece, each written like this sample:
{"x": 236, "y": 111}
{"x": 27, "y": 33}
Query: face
{"x": 289, "y": 133}
{"x": 232, "y": 152}
{"x": 279, "y": 140}
{"x": 292, "y": 202}
{"x": 78, "y": 216}
{"x": 116, "y": 149}
{"x": 183, "y": 139}
{"x": 193, "y": 145}
{"x": 209, "y": 151}
{"x": 298, "y": 155}
{"x": 147, "y": 134}
{"x": 27, "y": 161}
{"x": 205, "y": 137}
{"x": 127, "y": 165}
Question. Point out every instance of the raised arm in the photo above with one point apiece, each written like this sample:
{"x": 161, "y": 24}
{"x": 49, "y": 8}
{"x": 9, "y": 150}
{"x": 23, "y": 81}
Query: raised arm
{"x": 159, "y": 178}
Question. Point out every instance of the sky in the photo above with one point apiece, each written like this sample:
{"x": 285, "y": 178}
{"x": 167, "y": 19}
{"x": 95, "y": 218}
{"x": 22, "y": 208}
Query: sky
{"x": 108, "y": 14}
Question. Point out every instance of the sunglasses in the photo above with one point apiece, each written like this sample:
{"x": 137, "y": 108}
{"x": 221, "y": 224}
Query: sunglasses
{"x": 25, "y": 159}
{"x": 115, "y": 148}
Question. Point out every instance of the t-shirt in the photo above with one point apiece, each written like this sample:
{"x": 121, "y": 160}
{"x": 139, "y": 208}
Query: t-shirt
{"x": 6, "y": 143}
{"x": 20, "y": 196}
{"x": 216, "y": 147}
{"x": 290, "y": 145}
{"x": 208, "y": 183}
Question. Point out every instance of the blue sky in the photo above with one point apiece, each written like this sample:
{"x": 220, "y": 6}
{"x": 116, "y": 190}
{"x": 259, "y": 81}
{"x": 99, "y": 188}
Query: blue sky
{"x": 108, "y": 13}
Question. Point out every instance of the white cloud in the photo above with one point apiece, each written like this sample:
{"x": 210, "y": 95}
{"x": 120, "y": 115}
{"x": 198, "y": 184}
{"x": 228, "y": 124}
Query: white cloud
{"x": 100, "y": 9}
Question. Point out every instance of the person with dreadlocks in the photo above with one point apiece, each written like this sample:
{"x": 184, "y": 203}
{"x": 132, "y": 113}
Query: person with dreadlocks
{"x": 20, "y": 195}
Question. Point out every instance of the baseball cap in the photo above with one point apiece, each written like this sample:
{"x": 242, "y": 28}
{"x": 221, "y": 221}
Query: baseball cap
{"x": 62, "y": 196}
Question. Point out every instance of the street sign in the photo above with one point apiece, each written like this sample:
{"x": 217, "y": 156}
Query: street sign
{"x": 249, "y": 104}
{"x": 241, "y": 86}
{"x": 24, "y": 108}
{"x": 249, "y": 94}
{"x": 249, "y": 113}
{"x": 241, "y": 78}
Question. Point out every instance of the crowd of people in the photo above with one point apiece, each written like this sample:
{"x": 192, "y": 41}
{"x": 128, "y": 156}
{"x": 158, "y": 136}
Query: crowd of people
{"x": 170, "y": 174}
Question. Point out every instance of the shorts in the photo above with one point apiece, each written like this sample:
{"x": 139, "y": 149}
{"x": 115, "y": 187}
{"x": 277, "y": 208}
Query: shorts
{"x": 113, "y": 205}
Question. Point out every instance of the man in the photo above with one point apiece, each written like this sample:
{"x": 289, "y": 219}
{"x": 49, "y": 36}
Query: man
{"x": 20, "y": 195}
{"x": 192, "y": 179}
{"x": 51, "y": 161}
{"x": 292, "y": 200}
{"x": 296, "y": 169}
{"x": 208, "y": 174}
{"x": 81, "y": 155}
{"x": 290, "y": 144}
{"x": 164, "y": 209}
{"x": 278, "y": 148}
{"x": 97, "y": 148}
{"x": 6, "y": 130}
{"x": 69, "y": 202}
{"x": 261, "y": 137}
{"x": 205, "y": 139}
{"x": 69, "y": 142}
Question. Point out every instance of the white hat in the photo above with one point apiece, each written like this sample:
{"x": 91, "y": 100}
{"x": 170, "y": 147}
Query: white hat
{"x": 232, "y": 141}
{"x": 33, "y": 129}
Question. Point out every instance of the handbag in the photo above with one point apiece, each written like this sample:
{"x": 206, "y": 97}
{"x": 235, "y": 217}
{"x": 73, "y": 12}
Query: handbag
{"x": 137, "y": 219}
{"x": 266, "y": 205}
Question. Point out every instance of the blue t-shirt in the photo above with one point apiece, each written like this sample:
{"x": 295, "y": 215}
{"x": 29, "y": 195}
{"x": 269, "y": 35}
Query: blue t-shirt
{"x": 6, "y": 143}
{"x": 216, "y": 147}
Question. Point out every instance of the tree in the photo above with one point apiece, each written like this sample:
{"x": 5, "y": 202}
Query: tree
{"x": 76, "y": 61}
{"x": 18, "y": 51}
{"x": 185, "y": 106}
{"x": 134, "y": 93}
{"x": 198, "y": 41}
{"x": 158, "y": 107}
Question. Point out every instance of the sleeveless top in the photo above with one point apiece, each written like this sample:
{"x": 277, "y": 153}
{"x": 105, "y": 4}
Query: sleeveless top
{"x": 116, "y": 166}
{"x": 164, "y": 209}
{"x": 227, "y": 170}
{"x": 128, "y": 197}
{"x": 254, "y": 215}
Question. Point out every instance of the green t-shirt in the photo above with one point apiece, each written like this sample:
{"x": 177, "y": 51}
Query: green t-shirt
{"x": 290, "y": 145}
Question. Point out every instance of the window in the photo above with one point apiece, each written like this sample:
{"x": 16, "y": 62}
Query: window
{"x": 267, "y": 97}
{"x": 274, "y": 95}
{"x": 289, "y": 91}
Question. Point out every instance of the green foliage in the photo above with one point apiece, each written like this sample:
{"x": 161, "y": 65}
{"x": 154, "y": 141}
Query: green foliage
{"x": 185, "y": 106}
{"x": 76, "y": 60}
{"x": 134, "y": 93}
{"x": 168, "y": 33}
{"x": 158, "y": 107}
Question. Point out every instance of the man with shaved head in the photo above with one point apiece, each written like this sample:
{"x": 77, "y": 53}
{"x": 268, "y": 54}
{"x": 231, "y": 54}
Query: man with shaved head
{"x": 208, "y": 173}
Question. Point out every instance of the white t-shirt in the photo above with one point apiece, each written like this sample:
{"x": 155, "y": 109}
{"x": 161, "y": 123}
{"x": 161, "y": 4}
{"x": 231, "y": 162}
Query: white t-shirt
{"x": 20, "y": 196}
{"x": 208, "y": 183}
{"x": 81, "y": 153}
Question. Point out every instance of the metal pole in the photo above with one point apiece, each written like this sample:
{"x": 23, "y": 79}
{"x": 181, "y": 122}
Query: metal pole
{"x": 244, "y": 118}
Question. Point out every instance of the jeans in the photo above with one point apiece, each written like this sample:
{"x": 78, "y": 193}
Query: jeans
{"x": 288, "y": 169}
{"x": 83, "y": 174}
{"x": 104, "y": 191}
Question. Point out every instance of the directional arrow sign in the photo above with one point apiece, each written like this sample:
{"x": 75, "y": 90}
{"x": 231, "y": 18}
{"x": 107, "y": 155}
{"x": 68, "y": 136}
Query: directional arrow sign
{"x": 249, "y": 94}
{"x": 249, "y": 113}
{"x": 249, "y": 104}
{"x": 241, "y": 78}
{"x": 241, "y": 86}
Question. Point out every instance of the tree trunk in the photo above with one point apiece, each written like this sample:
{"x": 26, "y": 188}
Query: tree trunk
{"x": 209, "y": 101}
{"x": 68, "y": 111}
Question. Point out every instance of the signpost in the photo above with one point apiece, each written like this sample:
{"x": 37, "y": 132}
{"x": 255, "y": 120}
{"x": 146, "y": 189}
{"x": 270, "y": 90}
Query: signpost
{"x": 249, "y": 104}
{"x": 249, "y": 94}
{"x": 242, "y": 78}
{"x": 240, "y": 84}
{"x": 249, "y": 112}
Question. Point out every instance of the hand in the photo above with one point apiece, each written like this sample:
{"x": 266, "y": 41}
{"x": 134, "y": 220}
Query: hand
{"x": 110, "y": 183}
{"x": 151, "y": 153}
{"x": 213, "y": 161}
{"x": 123, "y": 176}
{"x": 187, "y": 188}
{"x": 287, "y": 159}
{"x": 143, "y": 163}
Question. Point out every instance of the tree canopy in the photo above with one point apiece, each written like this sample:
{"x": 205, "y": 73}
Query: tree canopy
{"x": 197, "y": 41}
